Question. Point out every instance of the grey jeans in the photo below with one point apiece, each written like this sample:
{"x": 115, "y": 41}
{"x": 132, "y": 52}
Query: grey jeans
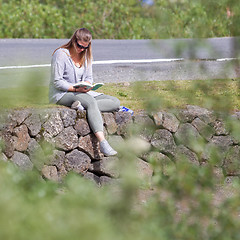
{"x": 93, "y": 105}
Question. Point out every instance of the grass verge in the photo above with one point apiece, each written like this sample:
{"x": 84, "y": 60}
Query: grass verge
{"x": 221, "y": 95}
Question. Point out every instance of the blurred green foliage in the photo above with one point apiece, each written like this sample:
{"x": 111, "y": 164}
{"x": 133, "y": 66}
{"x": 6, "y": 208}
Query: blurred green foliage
{"x": 186, "y": 201}
{"x": 119, "y": 19}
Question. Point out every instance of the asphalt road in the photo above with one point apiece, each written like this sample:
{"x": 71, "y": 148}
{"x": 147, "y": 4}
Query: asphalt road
{"x": 198, "y": 59}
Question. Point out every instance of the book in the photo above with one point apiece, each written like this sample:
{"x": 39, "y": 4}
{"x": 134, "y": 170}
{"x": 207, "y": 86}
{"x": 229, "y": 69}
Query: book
{"x": 88, "y": 85}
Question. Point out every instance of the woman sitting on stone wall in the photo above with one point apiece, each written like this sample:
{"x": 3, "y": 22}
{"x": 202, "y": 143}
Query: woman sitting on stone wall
{"x": 71, "y": 63}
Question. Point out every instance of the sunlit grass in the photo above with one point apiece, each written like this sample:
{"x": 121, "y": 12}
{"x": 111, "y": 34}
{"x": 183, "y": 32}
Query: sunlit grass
{"x": 220, "y": 94}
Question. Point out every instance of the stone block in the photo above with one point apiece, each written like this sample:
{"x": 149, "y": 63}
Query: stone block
{"x": 36, "y": 154}
{"x": 183, "y": 153}
{"x": 92, "y": 177}
{"x": 77, "y": 161}
{"x": 123, "y": 120}
{"x": 220, "y": 128}
{"x": 144, "y": 170}
{"x": 19, "y": 116}
{"x": 68, "y": 116}
{"x": 110, "y": 123}
{"x": 163, "y": 140}
{"x": 145, "y": 125}
{"x": 50, "y": 173}
{"x": 33, "y": 123}
{"x": 21, "y": 138}
{"x": 82, "y": 127}
{"x": 231, "y": 164}
{"x": 189, "y": 136}
{"x": 170, "y": 122}
{"x": 90, "y": 145}
{"x": 67, "y": 139}
{"x": 53, "y": 126}
{"x": 22, "y": 161}
{"x": 108, "y": 166}
{"x": 204, "y": 129}
{"x": 7, "y": 142}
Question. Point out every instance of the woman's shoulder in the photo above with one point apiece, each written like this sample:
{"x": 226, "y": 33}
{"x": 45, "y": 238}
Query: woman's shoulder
{"x": 61, "y": 52}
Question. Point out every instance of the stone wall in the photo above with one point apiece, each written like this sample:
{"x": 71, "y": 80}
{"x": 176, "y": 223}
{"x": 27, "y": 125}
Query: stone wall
{"x": 58, "y": 140}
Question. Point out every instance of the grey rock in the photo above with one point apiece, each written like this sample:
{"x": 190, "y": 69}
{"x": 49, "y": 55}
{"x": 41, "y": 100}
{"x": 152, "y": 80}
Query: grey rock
{"x": 57, "y": 159}
{"x": 92, "y": 177}
{"x": 222, "y": 141}
{"x": 110, "y": 123}
{"x": 146, "y": 126}
{"x": 184, "y": 116}
{"x": 105, "y": 180}
{"x": 22, "y": 161}
{"x": 191, "y": 112}
{"x": 34, "y": 124}
{"x": 161, "y": 162}
{"x": 82, "y": 127}
{"x": 21, "y": 138}
{"x": 36, "y": 154}
{"x": 204, "y": 129}
{"x": 232, "y": 161}
{"x": 77, "y": 161}
{"x": 170, "y": 122}
{"x": 90, "y": 145}
{"x": 144, "y": 170}
{"x": 7, "y": 142}
{"x": 220, "y": 128}
{"x": 183, "y": 153}
{"x": 189, "y": 136}
{"x": 123, "y": 120}
{"x": 50, "y": 173}
{"x": 19, "y": 116}
{"x": 67, "y": 139}
{"x": 68, "y": 116}
{"x": 204, "y": 114}
{"x": 158, "y": 119}
{"x": 115, "y": 141}
{"x": 217, "y": 149}
{"x": 164, "y": 141}
{"x": 108, "y": 166}
{"x": 82, "y": 114}
{"x": 44, "y": 114}
{"x": 53, "y": 126}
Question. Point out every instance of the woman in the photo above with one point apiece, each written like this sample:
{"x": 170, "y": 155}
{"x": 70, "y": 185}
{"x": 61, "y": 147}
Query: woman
{"x": 71, "y": 63}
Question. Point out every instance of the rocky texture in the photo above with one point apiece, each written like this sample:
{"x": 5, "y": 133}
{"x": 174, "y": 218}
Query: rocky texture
{"x": 58, "y": 140}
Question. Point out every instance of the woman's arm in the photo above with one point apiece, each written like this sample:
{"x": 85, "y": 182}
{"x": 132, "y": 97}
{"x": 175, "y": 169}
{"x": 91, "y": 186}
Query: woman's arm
{"x": 58, "y": 67}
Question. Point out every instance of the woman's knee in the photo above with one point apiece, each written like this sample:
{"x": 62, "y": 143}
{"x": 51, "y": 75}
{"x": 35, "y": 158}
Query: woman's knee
{"x": 87, "y": 101}
{"x": 116, "y": 102}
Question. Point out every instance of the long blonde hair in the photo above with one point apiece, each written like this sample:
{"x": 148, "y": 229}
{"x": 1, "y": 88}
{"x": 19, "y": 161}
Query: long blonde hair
{"x": 81, "y": 34}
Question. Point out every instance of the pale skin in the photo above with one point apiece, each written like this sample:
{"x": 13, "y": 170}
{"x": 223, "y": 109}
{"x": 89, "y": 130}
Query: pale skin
{"x": 74, "y": 51}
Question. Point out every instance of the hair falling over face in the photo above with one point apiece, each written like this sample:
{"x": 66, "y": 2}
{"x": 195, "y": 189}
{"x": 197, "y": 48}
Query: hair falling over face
{"x": 83, "y": 35}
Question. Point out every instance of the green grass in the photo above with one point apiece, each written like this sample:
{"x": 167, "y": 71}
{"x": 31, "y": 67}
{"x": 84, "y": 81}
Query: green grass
{"x": 214, "y": 94}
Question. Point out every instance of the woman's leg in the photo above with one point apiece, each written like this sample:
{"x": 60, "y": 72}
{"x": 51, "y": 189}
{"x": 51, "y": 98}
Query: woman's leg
{"x": 90, "y": 104}
{"x": 107, "y": 103}
{"x": 94, "y": 118}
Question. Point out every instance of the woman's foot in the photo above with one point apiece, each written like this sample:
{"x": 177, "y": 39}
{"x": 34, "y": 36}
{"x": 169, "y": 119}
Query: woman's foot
{"x": 106, "y": 149}
{"x": 77, "y": 106}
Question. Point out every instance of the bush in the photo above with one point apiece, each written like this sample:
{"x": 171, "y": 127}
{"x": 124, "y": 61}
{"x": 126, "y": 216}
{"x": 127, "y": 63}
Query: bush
{"x": 119, "y": 19}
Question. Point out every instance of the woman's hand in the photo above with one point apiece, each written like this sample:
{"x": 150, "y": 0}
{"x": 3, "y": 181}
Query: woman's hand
{"x": 80, "y": 89}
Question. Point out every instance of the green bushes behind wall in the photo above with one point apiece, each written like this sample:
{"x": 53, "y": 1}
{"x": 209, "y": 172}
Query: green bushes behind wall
{"x": 119, "y": 19}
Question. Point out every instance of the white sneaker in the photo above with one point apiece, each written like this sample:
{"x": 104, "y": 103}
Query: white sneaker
{"x": 106, "y": 149}
{"x": 77, "y": 105}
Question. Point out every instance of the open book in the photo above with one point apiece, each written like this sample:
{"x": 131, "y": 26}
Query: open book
{"x": 88, "y": 85}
